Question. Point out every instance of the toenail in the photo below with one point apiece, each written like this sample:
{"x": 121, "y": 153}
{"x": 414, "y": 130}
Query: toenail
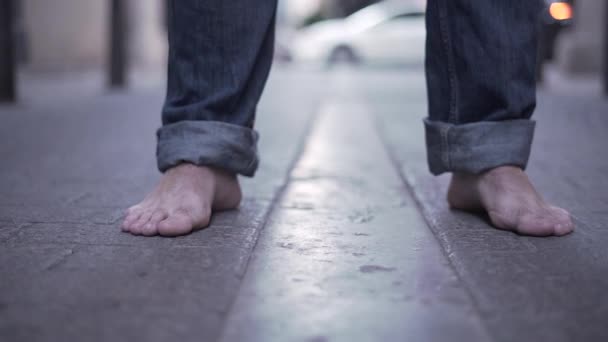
{"x": 562, "y": 229}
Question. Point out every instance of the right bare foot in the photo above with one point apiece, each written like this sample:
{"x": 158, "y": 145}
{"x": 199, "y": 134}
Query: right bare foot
{"x": 510, "y": 200}
{"x": 183, "y": 201}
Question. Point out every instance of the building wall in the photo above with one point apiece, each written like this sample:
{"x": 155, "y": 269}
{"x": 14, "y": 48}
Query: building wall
{"x": 64, "y": 34}
{"x": 147, "y": 33}
{"x": 68, "y": 35}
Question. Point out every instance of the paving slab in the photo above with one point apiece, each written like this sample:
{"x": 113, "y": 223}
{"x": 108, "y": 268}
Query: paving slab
{"x": 527, "y": 289}
{"x": 74, "y": 157}
{"x": 346, "y": 255}
{"x": 238, "y": 229}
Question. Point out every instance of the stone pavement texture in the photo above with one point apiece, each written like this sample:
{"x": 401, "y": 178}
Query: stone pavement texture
{"x": 526, "y": 289}
{"x": 348, "y": 252}
{"x": 342, "y": 236}
{"x": 72, "y": 160}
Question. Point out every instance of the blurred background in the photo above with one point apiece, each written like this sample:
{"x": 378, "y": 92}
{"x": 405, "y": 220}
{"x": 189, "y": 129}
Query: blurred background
{"x": 122, "y": 38}
{"x": 81, "y": 90}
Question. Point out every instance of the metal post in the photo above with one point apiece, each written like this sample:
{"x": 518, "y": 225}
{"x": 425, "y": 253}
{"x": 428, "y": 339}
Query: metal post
{"x": 118, "y": 45}
{"x": 8, "y": 91}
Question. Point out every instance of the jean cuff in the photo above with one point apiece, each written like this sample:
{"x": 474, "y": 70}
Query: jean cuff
{"x": 477, "y": 147}
{"x": 230, "y": 147}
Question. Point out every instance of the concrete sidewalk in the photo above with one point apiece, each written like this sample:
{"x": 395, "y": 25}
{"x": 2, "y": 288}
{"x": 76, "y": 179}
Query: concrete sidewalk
{"x": 525, "y": 289}
{"x": 342, "y": 236}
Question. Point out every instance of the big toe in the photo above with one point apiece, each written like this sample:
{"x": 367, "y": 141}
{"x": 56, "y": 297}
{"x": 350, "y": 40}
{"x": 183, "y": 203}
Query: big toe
{"x": 175, "y": 224}
{"x": 555, "y": 221}
{"x": 536, "y": 226}
{"x": 563, "y": 221}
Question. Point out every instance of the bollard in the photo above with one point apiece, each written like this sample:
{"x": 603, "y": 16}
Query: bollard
{"x": 7, "y": 54}
{"x": 117, "y": 66}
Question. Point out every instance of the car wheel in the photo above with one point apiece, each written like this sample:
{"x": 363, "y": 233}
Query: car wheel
{"x": 343, "y": 55}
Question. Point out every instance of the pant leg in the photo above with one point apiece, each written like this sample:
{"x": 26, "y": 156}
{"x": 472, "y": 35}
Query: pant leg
{"x": 480, "y": 65}
{"x": 220, "y": 52}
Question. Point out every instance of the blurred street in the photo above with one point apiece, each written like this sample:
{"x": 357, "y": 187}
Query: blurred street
{"x": 343, "y": 234}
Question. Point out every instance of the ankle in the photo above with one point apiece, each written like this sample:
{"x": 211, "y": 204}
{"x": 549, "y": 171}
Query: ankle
{"x": 502, "y": 171}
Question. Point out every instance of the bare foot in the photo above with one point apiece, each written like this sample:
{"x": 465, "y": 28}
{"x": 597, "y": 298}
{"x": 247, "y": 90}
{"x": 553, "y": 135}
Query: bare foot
{"x": 183, "y": 201}
{"x": 510, "y": 200}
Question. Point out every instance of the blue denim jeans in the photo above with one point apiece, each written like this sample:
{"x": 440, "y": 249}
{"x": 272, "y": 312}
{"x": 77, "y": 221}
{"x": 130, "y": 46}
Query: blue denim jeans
{"x": 220, "y": 53}
{"x": 480, "y": 67}
{"x": 480, "y": 59}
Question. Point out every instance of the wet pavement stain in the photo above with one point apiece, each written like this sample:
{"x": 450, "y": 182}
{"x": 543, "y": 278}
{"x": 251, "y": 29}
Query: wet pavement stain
{"x": 375, "y": 269}
{"x": 361, "y": 218}
{"x": 286, "y": 245}
{"x": 327, "y": 261}
{"x": 300, "y": 206}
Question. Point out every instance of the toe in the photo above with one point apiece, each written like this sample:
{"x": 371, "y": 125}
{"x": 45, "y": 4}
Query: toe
{"x": 137, "y": 226}
{"x": 174, "y": 225}
{"x": 131, "y": 217}
{"x": 564, "y": 226}
{"x": 563, "y": 229}
{"x": 555, "y": 221}
{"x": 536, "y": 225}
{"x": 151, "y": 227}
{"x": 536, "y": 228}
{"x": 563, "y": 221}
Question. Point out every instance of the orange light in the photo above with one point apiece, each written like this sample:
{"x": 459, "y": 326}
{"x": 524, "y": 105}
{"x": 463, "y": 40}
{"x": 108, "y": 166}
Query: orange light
{"x": 560, "y": 11}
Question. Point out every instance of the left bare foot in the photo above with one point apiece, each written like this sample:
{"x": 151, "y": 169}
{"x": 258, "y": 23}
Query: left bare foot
{"x": 183, "y": 201}
{"x": 510, "y": 200}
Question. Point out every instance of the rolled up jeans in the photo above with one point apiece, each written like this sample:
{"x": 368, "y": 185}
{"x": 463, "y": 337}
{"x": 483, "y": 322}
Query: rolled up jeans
{"x": 220, "y": 52}
{"x": 480, "y": 59}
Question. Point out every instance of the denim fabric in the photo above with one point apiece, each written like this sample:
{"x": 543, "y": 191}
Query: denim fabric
{"x": 224, "y": 145}
{"x": 480, "y": 60}
{"x": 220, "y": 52}
{"x": 480, "y": 78}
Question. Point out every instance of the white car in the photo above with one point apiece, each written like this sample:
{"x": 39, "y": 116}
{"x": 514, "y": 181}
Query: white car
{"x": 386, "y": 32}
